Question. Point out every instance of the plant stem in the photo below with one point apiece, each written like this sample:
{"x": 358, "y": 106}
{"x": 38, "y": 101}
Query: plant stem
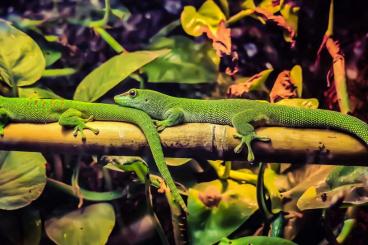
{"x": 58, "y": 72}
{"x": 87, "y": 195}
{"x": 110, "y": 40}
{"x": 238, "y": 16}
{"x": 105, "y": 19}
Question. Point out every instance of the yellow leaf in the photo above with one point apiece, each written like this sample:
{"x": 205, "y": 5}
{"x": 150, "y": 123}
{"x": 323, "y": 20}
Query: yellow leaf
{"x": 296, "y": 78}
{"x": 311, "y": 103}
{"x": 208, "y": 15}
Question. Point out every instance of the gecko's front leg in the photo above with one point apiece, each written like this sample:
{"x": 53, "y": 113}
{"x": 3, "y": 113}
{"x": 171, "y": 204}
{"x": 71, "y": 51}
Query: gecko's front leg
{"x": 245, "y": 131}
{"x": 76, "y": 119}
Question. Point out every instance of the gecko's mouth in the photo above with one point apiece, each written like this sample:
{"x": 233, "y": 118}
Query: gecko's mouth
{"x": 120, "y": 99}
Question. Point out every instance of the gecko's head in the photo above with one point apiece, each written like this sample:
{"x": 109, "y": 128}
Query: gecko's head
{"x": 147, "y": 100}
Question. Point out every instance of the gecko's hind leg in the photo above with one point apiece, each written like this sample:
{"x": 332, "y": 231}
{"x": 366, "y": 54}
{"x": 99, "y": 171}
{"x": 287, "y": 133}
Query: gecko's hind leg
{"x": 173, "y": 116}
{"x": 245, "y": 131}
{"x": 76, "y": 119}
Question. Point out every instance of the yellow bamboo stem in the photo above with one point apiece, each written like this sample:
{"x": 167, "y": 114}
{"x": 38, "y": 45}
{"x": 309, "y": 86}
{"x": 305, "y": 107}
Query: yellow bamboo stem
{"x": 206, "y": 141}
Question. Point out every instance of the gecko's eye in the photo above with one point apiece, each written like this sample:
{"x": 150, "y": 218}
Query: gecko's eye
{"x": 132, "y": 93}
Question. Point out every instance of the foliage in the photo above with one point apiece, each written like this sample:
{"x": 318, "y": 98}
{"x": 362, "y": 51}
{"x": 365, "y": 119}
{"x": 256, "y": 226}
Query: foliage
{"x": 22, "y": 61}
{"x": 23, "y": 178}
{"x": 218, "y": 208}
{"x": 92, "y": 225}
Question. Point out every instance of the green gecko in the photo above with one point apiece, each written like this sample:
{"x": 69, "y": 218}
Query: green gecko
{"x": 76, "y": 114}
{"x": 240, "y": 113}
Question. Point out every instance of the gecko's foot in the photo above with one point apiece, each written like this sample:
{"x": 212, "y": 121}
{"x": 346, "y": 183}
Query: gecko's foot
{"x": 94, "y": 130}
{"x": 89, "y": 119}
{"x": 160, "y": 125}
{"x": 79, "y": 128}
{"x": 246, "y": 140}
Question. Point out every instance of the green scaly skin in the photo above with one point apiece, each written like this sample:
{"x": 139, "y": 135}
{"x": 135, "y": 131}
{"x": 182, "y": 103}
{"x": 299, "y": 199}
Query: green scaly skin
{"x": 76, "y": 114}
{"x": 240, "y": 113}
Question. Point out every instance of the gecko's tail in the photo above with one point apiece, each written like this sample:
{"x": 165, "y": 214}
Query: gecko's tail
{"x": 318, "y": 118}
{"x": 154, "y": 142}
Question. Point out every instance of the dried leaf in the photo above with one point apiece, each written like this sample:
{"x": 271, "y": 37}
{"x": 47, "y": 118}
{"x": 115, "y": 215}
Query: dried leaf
{"x": 254, "y": 83}
{"x": 221, "y": 40}
{"x": 280, "y": 21}
{"x": 339, "y": 75}
{"x": 233, "y": 68}
{"x": 283, "y": 87}
{"x": 290, "y": 15}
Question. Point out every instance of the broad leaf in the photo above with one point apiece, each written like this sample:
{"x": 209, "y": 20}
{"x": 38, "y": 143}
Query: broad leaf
{"x": 218, "y": 208}
{"x": 90, "y": 225}
{"x": 21, "y": 59}
{"x": 112, "y": 72}
{"x": 188, "y": 62}
{"x": 22, "y": 179}
{"x": 208, "y": 15}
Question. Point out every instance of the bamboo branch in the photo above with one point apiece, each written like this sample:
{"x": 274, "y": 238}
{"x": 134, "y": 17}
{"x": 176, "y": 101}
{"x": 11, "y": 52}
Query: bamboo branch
{"x": 206, "y": 141}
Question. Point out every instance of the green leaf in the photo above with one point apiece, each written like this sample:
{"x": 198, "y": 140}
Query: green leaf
{"x": 37, "y": 93}
{"x": 270, "y": 178}
{"x": 188, "y": 62}
{"x": 257, "y": 240}
{"x": 208, "y": 15}
{"x": 22, "y": 179}
{"x": 112, "y": 72}
{"x": 21, "y": 59}
{"x": 129, "y": 164}
{"x": 90, "y": 225}
{"x": 218, "y": 208}
{"x": 51, "y": 55}
{"x": 343, "y": 175}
